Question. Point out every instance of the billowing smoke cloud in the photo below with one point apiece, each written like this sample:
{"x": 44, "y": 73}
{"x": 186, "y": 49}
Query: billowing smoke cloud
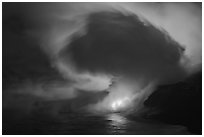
{"x": 123, "y": 45}
{"x": 115, "y": 43}
{"x": 142, "y": 45}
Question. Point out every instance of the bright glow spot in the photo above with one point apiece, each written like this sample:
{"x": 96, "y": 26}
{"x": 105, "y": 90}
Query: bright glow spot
{"x": 120, "y": 103}
{"x": 123, "y": 97}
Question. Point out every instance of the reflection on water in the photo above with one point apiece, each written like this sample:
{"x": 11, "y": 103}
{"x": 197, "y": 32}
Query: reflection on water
{"x": 81, "y": 124}
{"x": 117, "y": 123}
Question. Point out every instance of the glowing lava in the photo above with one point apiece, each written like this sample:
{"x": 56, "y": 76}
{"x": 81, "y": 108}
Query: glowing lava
{"x": 123, "y": 96}
{"x": 120, "y": 103}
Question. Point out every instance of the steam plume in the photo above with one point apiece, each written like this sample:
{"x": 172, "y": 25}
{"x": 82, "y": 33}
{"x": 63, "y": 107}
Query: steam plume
{"x": 144, "y": 44}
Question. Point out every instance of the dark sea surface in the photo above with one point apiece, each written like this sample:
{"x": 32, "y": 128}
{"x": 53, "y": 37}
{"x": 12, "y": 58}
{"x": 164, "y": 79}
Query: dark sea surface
{"x": 85, "y": 124}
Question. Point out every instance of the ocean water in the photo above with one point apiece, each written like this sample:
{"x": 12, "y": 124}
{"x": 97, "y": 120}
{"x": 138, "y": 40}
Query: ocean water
{"x": 83, "y": 124}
